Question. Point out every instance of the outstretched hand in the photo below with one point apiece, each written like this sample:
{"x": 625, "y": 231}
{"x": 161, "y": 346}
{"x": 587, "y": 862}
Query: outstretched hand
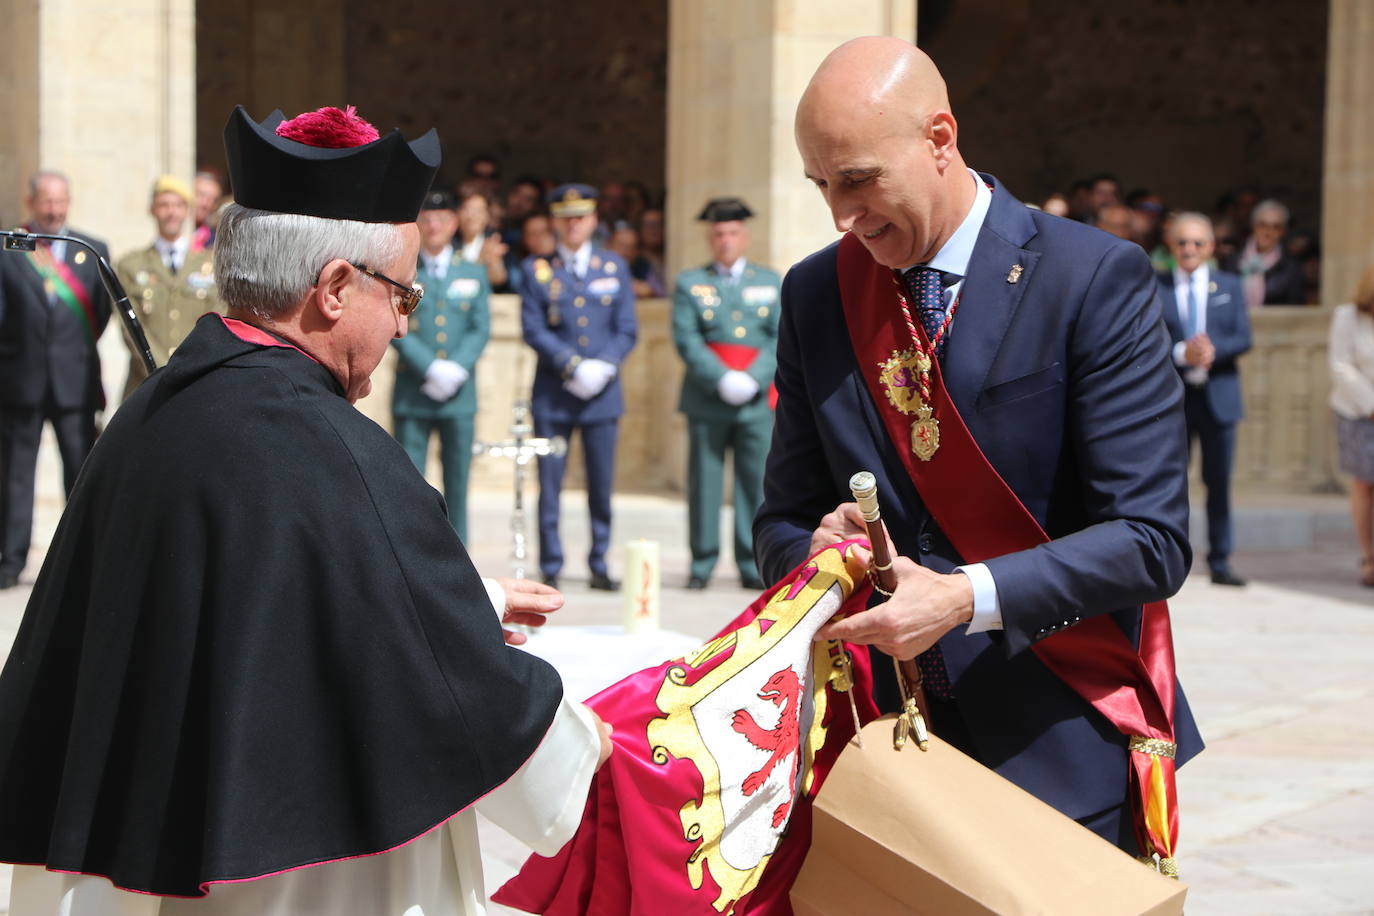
{"x": 925, "y": 606}
{"x": 527, "y": 603}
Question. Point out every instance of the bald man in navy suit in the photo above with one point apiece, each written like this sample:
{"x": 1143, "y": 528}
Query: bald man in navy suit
{"x": 1054, "y": 354}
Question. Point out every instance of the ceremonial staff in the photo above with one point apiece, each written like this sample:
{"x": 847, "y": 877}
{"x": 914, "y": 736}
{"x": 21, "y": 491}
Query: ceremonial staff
{"x": 19, "y": 240}
{"x": 915, "y": 711}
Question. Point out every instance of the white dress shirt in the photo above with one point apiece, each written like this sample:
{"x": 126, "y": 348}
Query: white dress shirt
{"x": 1198, "y": 282}
{"x": 173, "y": 254}
{"x": 731, "y": 272}
{"x": 576, "y": 261}
{"x": 952, "y": 260}
{"x": 472, "y": 251}
{"x": 438, "y": 264}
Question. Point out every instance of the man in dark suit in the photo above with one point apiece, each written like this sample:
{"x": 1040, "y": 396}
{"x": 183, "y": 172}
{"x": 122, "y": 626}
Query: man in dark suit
{"x": 577, "y": 310}
{"x": 1209, "y": 323}
{"x": 1048, "y": 337}
{"x": 52, "y": 311}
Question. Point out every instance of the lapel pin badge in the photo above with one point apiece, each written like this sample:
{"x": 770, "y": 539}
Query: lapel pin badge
{"x": 1014, "y": 274}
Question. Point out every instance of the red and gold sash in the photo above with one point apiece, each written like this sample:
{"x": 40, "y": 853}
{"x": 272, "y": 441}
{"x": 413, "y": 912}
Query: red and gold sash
{"x": 66, "y": 285}
{"x": 983, "y": 519}
{"x": 740, "y": 357}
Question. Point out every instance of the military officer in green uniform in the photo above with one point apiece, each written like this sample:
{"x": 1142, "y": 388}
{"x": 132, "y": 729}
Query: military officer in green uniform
{"x": 435, "y": 390}
{"x": 725, "y": 326}
{"x": 169, "y": 285}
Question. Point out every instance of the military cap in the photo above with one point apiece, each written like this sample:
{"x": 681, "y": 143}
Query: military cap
{"x": 572, "y": 200}
{"x": 440, "y": 199}
{"x": 725, "y": 209}
{"x": 170, "y": 184}
{"x": 330, "y": 164}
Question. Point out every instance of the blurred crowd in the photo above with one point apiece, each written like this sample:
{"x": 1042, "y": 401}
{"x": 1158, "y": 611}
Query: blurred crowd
{"x": 1278, "y": 263}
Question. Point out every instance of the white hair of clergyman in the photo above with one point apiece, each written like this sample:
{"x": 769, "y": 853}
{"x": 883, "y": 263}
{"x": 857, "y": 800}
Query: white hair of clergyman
{"x": 1270, "y": 206}
{"x": 266, "y": 262}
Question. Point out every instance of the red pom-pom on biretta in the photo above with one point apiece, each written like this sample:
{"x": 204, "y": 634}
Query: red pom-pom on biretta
{"x": 329, "y": 128}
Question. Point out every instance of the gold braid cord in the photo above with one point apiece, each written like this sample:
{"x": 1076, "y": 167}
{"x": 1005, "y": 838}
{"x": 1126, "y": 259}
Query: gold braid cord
{"x": 1156, "y": 746}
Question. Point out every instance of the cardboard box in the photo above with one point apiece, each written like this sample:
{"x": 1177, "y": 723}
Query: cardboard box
{"x": 937, "y": 832}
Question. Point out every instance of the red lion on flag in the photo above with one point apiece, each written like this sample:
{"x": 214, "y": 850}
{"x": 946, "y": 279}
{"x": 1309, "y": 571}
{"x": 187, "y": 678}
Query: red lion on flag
{"x": 701, "y": 809}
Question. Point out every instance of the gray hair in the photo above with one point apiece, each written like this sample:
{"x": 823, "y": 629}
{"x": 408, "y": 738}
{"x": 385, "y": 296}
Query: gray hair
{"x": 266, "y": 262}
{"x": 1193, "y": 216}
{"x": 37, "y": 178}
{"x": 1272, "y": 206}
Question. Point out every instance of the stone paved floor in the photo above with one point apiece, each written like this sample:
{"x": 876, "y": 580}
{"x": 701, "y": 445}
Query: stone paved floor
{"x": 1278, "y": 812}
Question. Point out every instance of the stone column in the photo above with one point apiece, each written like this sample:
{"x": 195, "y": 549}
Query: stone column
{"x": 1348, "y": 172}
{"x": 735, "y": 74}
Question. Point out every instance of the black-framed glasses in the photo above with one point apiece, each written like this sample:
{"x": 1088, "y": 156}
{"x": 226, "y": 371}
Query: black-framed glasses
{"x": 410, "y": 295}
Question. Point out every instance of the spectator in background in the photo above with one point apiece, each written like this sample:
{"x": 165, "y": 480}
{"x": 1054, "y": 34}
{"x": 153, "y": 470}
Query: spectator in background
{"x": 1147, "y": 213}
{"x": 1303, "y": 247}
{"x": 1268, "y": 274}
{"x": 636, "y": 201}
{"x": 1351, "y": 353}
{"x": 524, "y": 198}
{"x": 208, "y": 191}
{"x": 475, "y": 242}
{"x": 1104, "y": 190}
{"x": 625, "y": 242}
{"x": 1081, "y": 201}
{"x": 1056, "y": 205}
{"x": 1205, "y": 314}
{"x": 651, "y": 249}
{"x": 485, "y": 172}
{"x": 536, "y": 240}
{"x": 1114, "y": 219}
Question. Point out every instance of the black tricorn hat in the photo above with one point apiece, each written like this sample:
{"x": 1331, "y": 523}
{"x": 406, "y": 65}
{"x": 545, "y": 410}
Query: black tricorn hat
{"x": 725, "y": 209}
{"x": 384, "y": 181}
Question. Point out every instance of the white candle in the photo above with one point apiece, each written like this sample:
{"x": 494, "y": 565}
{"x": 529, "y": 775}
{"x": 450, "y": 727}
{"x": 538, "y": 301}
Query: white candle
{"x": 641, "y": 589}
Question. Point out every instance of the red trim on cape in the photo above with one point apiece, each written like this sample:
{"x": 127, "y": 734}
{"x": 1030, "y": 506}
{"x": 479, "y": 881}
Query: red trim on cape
{"x": 250, "y": 333}
{"x": 983, "y": 519}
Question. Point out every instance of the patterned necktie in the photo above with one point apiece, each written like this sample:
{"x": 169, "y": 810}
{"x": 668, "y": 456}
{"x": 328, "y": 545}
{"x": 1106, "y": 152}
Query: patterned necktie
{"x": 925, "y": 286}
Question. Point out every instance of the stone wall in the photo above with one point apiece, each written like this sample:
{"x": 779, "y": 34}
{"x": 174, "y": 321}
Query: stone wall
{"x": 572, "y": 92}
{"x": 1187, "y": 98}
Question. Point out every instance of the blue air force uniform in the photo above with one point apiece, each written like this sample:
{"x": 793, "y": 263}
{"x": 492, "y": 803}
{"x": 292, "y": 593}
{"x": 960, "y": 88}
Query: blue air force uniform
{"x": 453, "y": 324}
{"x": 577, "y": 322}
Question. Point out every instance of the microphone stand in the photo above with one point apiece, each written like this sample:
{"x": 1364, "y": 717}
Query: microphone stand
{"x": 19, "y": 240}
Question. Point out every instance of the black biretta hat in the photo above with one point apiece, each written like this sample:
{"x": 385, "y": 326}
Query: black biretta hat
{"x": 382, "y": 181}
{"x": 725, "y": 209}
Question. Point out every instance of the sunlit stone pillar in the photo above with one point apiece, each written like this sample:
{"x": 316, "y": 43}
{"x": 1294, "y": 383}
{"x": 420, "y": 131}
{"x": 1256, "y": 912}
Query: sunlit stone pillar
{"x": 1348, "y": 173}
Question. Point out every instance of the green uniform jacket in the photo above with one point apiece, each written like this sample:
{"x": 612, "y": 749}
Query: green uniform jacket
{"x": 167, "y": 304}
{"x": 453, "y": 322}
{"x": 707, "y": 310}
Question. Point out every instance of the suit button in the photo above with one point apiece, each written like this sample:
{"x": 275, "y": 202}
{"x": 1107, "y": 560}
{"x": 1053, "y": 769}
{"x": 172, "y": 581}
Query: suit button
{"x": 441, "y": 337}
{"x": 579, "y": 302}
{"x": 740, "y": 332}
{"x": 926, "y": 543}
{"x": 440, "y": 354}
{"x": 707, "y": 314}
{"x": 606, "y": 300}
{"x": 583, "y": 341}
{"x": 440, "y": 320}
{"x": 581, "y": 321}
{"x": 736, "y": 316}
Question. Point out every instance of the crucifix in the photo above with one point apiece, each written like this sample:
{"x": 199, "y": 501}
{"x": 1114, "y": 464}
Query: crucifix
{"x": 521, "y": 447}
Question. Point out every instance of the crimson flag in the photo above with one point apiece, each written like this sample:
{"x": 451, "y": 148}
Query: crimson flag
{"x": 705, "y": 805}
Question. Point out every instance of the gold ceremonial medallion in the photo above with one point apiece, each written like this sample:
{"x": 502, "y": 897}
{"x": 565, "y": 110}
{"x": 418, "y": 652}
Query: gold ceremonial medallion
{"x": 925, "y": 434}
{"x": 542, "y": 271}
{"x": 900, "y": 377}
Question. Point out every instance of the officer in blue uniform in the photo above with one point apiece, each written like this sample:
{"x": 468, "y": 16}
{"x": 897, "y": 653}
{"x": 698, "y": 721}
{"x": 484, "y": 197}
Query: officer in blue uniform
{"x": 577, "y": 310}
{"x": 434, "y": 390}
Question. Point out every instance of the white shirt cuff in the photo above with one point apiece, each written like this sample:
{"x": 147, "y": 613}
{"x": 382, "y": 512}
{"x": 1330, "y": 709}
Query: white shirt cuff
{"x": 1179, "y": 349}
{"x": 496, "y": 595}
{"x": 987, "y": 609}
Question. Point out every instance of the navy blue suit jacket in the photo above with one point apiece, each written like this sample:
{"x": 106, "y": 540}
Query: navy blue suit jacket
{"x": 1064, "y": 379}
{"x": 565, "y": 319}
{"x": 1228, "y": 327}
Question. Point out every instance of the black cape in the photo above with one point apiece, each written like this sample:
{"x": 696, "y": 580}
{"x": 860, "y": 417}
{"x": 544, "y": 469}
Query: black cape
{"x": 255, "y": 644}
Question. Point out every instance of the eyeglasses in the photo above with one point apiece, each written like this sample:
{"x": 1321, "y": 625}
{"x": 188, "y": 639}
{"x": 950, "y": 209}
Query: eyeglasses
{"x": 410, "y": 295}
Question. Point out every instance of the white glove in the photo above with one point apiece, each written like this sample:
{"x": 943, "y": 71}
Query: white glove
{"x": 591, "y": 376}
{"x": 736, "y": 387}
{"x": 443, "y": 378}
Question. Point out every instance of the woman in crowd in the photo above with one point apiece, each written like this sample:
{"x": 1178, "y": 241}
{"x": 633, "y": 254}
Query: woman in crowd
{"x": 1352, "y": 398}
{"x": 1268, "y": 275}
{"x": 474, "y": 242}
